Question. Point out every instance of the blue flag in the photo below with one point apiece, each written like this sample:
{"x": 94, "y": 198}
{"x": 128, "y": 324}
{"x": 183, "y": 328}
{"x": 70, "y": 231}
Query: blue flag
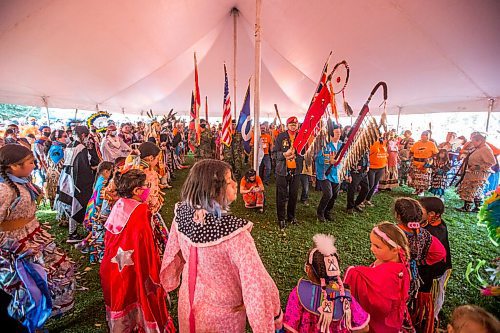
{"x": 244, "y": 125}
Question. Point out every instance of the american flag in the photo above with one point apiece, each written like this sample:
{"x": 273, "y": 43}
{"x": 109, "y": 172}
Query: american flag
{"x": 197, "y": 103}
{"x": 227, "y": 132}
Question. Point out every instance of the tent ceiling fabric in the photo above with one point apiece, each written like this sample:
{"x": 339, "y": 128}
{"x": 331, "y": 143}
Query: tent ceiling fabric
{"x": 436, "y": 56}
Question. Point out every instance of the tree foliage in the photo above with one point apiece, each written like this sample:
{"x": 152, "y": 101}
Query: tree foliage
{"x": 11, "y": 111}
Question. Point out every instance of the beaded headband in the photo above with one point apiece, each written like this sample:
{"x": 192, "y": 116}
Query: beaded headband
{"x": 386, "y": 238}
{"x": 414, "y": 225}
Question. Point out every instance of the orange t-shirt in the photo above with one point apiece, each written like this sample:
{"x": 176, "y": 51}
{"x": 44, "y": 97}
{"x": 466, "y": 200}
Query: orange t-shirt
{"x": 267, "y": 143}
{"x": 378, "y": 155}
{"x": 246, "y": 186}
{"x": 423, "y": 150}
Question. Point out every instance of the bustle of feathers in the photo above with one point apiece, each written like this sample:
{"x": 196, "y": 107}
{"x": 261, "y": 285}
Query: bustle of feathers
{"x": 325, "y": 244}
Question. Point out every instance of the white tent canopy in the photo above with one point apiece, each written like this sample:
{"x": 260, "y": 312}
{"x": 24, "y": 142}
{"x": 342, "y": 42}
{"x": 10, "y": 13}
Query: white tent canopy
{"x": 130, "y": 56}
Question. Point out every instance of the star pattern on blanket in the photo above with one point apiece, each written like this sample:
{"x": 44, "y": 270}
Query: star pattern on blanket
{"x": 123, "y": 258}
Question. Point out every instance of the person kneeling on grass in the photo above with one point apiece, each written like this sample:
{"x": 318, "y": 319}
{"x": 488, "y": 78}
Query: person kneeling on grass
{"x": 252, "y": 190}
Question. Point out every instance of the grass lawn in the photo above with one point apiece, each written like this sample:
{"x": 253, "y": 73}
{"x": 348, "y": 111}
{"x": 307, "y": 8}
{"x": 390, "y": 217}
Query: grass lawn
{"x": 283, "y": 253}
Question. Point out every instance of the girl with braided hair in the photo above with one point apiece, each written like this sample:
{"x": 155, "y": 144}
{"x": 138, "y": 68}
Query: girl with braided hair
{"x": 425, "y": 250}
{"x": 382, "y": 288}
{"x": 309, "y": 302}
{"x": 33, "y": 271}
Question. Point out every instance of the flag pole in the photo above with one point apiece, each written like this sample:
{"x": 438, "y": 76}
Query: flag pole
{"x": 235, "y": 12}
{"x": 490, "y": 109}
{"x": 46, "y": 104}
{"x": 256, "y": 98}
{"x": 206, "y": 109}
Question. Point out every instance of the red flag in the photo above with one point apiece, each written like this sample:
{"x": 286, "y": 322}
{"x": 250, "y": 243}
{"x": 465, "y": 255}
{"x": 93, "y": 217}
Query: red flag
{"x": 192, "y": 126}
{"x": 197, "y": 101}
{"x": 312, "y": 118}
{"x": 227, "y": 131}
{"x": 322, "y": 79}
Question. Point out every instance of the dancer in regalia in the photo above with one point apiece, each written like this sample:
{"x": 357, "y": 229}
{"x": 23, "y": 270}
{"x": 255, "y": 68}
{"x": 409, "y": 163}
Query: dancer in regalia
{"x": 433, "y": 210}
{"x": 149, "y": 157}
{"x": 223, "y": 278}
{"x": 305, "y": 310}
{"x": 93, "y": 222}
{"x": 33, "y": 271}
{"x": 382, "y": 288}
{"x": 440, "y": 168}
{"x": 130, "y": 267}
{"x": 76, "y": 181}
{"x": 425, "y": 251}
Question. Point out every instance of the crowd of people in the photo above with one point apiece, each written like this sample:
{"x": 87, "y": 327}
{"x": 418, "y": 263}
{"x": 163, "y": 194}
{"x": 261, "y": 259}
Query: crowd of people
{"x": 107, "y": 186}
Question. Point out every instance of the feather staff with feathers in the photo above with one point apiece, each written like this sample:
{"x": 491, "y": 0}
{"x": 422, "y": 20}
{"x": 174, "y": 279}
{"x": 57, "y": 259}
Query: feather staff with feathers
{"x": 363, "y": 134}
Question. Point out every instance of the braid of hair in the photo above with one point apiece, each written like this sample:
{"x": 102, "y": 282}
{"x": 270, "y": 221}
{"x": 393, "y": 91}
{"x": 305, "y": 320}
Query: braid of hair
{"x": 8, "y": 181}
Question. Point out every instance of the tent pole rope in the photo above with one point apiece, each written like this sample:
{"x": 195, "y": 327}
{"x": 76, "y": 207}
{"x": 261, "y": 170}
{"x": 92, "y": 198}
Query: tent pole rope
{"x": 490, "y": 109}
{"x": 256, "y": 98}
{"x": 46, "y": 104}
{"x": 235, "y": 12}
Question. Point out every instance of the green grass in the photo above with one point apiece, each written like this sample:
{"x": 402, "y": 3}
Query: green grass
{"x": 283, "y": 253}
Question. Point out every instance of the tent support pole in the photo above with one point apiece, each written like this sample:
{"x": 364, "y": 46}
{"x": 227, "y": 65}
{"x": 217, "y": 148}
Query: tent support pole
{"x": 235, "y": 12}
{"x": 256, "y": 99}
{"x": 399, "y": 115}
{"x": 46, "y": 104}
{"x": 490, "y": 109}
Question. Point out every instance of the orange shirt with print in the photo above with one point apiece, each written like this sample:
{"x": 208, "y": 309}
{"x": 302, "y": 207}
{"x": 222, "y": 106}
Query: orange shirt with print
{"x": 378, "y": 155}
{"x": 423, "y": 150}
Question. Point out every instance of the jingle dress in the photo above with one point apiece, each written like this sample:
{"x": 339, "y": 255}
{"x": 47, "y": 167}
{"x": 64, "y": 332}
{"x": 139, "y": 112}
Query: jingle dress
{"x": 420, "y": 173}
{"x": 390, "y": 179}
{"x": 439, "y": 181}
{"x": 33, "y": 270}
{"x": 477, "y": 166}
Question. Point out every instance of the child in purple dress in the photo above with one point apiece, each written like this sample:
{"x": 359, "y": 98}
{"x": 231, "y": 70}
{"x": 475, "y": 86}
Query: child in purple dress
{"x": 322, "y": 303}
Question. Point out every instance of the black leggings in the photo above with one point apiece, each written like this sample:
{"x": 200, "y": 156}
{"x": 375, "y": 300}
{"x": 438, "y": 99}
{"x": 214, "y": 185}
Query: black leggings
{"x": 374, "y": 176}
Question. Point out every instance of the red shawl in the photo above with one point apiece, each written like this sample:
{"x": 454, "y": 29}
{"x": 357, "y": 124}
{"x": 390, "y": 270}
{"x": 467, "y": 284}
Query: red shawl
{"x": 130, "y": 272}
{"x": 383, "y": 292}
